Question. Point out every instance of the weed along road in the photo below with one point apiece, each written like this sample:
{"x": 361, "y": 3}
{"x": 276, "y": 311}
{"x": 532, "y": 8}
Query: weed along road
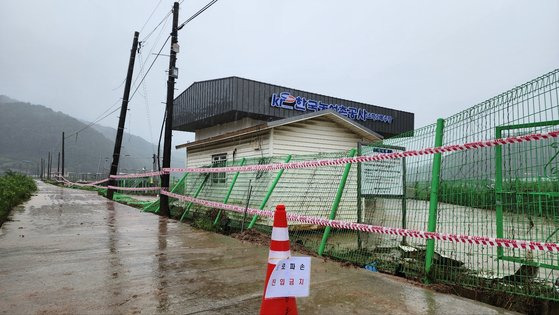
{"x": 73, "y": 252}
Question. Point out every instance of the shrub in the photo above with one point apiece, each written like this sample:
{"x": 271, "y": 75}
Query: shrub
{"x": 14, "y": 189}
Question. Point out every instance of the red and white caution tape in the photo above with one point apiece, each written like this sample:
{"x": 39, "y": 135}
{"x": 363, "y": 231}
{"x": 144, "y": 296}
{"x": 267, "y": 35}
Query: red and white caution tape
{"x": 137, "y": 175}
{"x": 90, "y": 184}
{"x": 455, "y": 238}
{"x": 378, "y": 157}
{"x": 134, "y": 188}
{"x": 95, "y": 184}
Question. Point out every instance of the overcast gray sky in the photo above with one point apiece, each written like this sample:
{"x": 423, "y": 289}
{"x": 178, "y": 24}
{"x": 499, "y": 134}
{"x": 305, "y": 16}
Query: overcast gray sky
{"x": 433, "y": 58}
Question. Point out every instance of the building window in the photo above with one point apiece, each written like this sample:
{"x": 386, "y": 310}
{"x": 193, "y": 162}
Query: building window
{"x": 219, "y": 160}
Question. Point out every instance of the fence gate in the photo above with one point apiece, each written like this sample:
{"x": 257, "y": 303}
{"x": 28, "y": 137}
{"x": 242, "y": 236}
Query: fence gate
{"x": 527, "y": 204}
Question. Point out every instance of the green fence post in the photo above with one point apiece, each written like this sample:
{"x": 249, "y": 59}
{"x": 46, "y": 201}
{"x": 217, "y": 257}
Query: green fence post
{"x": 336, "y": 203}
{"x": 195, "y": 195}
{"x": 404, "y": 200}
{"x": 499, "y": 192}
{"x": 359, "y": 199}
{"x": 434, "y": 197}
{"x": 229, "y": 191}
{"x": 154, "y": 206}
{"x": 269, "y": 193}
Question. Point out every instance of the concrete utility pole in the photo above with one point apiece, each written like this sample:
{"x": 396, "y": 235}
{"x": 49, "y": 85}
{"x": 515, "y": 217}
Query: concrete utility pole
{"x": 122, "y": 118}
{"x": 49, "y": 161}
{"x": 62, "y": 163}
{"x": 173, "y": 74}
{"x": 58, "y": 166}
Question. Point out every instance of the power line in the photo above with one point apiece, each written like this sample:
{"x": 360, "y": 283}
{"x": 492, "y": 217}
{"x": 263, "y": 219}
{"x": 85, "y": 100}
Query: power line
{"x": 154, "y": 59}
{"x": 93, "y": 123}
{"x": 207, "y": 6}
{"x": 159, "y": 142}
{"x": 150, "y": 52}
{"x": 150, "y": 67}
{"x": 152, "y": 12}
{"x": 119, "y": 85}
{"x": 96, "y": 120}
{"x": 157, "y": 26}
{"x": 196, "y": 14}
{"x": 146, "y": 102}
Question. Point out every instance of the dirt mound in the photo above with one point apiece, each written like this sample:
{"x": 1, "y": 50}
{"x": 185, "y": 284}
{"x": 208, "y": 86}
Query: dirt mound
{"x": 253, "y": 236}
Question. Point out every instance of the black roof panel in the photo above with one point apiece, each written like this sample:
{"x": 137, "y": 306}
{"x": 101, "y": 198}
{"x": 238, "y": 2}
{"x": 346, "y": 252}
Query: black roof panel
{"x": 207, "y": 103}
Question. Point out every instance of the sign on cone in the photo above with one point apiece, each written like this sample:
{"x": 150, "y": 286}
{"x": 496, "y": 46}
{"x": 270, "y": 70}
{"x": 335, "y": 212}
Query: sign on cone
{"x": 279, "y": 249}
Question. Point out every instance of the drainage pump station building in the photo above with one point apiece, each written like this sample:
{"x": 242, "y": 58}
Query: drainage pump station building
{"x": 235, "y": 118}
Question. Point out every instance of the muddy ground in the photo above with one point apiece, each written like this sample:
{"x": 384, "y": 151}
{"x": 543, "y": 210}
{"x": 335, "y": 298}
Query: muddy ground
{"x": 73, "y": 252}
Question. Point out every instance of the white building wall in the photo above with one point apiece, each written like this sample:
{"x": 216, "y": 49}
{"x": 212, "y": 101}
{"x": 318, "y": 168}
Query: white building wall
{"x": 225, "y": 128}
{"x": 300, "y": 190}
{"x": 313, "y": 136}
{"x": 253, "y": 146}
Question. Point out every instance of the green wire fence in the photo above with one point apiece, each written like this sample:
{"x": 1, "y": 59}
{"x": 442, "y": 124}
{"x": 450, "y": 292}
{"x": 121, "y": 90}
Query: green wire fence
{"x": 510, "y": 191}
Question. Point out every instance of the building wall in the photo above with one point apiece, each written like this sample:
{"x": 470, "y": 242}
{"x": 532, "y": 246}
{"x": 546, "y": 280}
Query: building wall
{"x": 226, "y": 127}
{"x": 253, "y": 146}
{"x": 299, "y": 190}
{"x": 313, "y": 136}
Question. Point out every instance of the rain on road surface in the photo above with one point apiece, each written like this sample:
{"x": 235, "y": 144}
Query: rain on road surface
{"x": 71, "y": 251}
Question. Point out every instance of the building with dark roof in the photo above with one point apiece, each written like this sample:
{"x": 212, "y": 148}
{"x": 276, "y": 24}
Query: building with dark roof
{"x": 235, "y": 117}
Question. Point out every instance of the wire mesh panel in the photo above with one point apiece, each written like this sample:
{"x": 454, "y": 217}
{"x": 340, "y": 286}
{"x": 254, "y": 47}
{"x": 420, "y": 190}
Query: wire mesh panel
{"x": 497, "y": 192}
{"x": 397, "y": 197}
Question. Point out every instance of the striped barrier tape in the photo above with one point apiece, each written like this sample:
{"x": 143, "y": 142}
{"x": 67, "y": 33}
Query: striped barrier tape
{"x": 91, "y": 184}
{"x": 137, "y": 175}
{"x": 342, "y": 161}
{"x": 95, "y": 184}
{"x": 378, "y": 157}
{"x": 456, "y": 238}
{"x": 134, "y": 188}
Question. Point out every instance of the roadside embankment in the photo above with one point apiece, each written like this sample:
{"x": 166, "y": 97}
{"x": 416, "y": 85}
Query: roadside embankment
{"x": 14, "y": 189}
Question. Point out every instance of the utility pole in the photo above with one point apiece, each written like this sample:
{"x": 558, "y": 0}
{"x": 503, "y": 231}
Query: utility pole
{"x": 122, "y": 118}
{"x": 48, "y": 165}
{"x": 62, "y": 163}
{"x": 58, "y": 166}
{"x": 42, "y": 165}
{"x": 173, "y": 73}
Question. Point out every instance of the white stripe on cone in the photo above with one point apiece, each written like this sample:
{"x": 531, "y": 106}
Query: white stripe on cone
{"x": 275, "y": 256}
{"x": 280, "y": 234}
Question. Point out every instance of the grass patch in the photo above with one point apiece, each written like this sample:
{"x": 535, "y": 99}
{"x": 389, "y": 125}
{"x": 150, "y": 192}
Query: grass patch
{"x": 14, "y": 189}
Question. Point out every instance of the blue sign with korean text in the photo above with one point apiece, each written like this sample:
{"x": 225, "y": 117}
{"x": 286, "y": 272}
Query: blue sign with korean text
{"x": 287, "y": 101}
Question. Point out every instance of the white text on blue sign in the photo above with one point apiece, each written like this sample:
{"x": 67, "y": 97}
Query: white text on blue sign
{"x": 287, "y": 101}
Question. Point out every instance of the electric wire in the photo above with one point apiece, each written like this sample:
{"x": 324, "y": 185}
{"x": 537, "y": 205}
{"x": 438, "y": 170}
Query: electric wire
{"x": 119, "y": 85}
{"x": 147, "y": 72}
{"x": 96, "y": 120}
{"x": 152, "y": 12}
{"x": 148, "y": 116}
{"x": 156, "y": 27}
{"x": 159, "y": 142}
{"x": 207, "y": 6}
{"x": 161, "y": 49}
{"x": 149, "y": 54}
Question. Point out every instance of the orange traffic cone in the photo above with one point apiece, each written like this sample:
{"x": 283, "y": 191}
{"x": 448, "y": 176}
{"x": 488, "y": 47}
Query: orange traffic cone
{"x": 279, "y": 249}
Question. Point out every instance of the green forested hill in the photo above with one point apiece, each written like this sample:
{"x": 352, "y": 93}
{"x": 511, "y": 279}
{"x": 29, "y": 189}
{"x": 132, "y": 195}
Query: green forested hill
{"x": 28, "y": 132}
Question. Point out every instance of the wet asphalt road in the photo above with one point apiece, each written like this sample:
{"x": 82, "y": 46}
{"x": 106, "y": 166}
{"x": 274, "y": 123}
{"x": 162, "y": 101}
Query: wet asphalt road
{"x": 73, "y": 252}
